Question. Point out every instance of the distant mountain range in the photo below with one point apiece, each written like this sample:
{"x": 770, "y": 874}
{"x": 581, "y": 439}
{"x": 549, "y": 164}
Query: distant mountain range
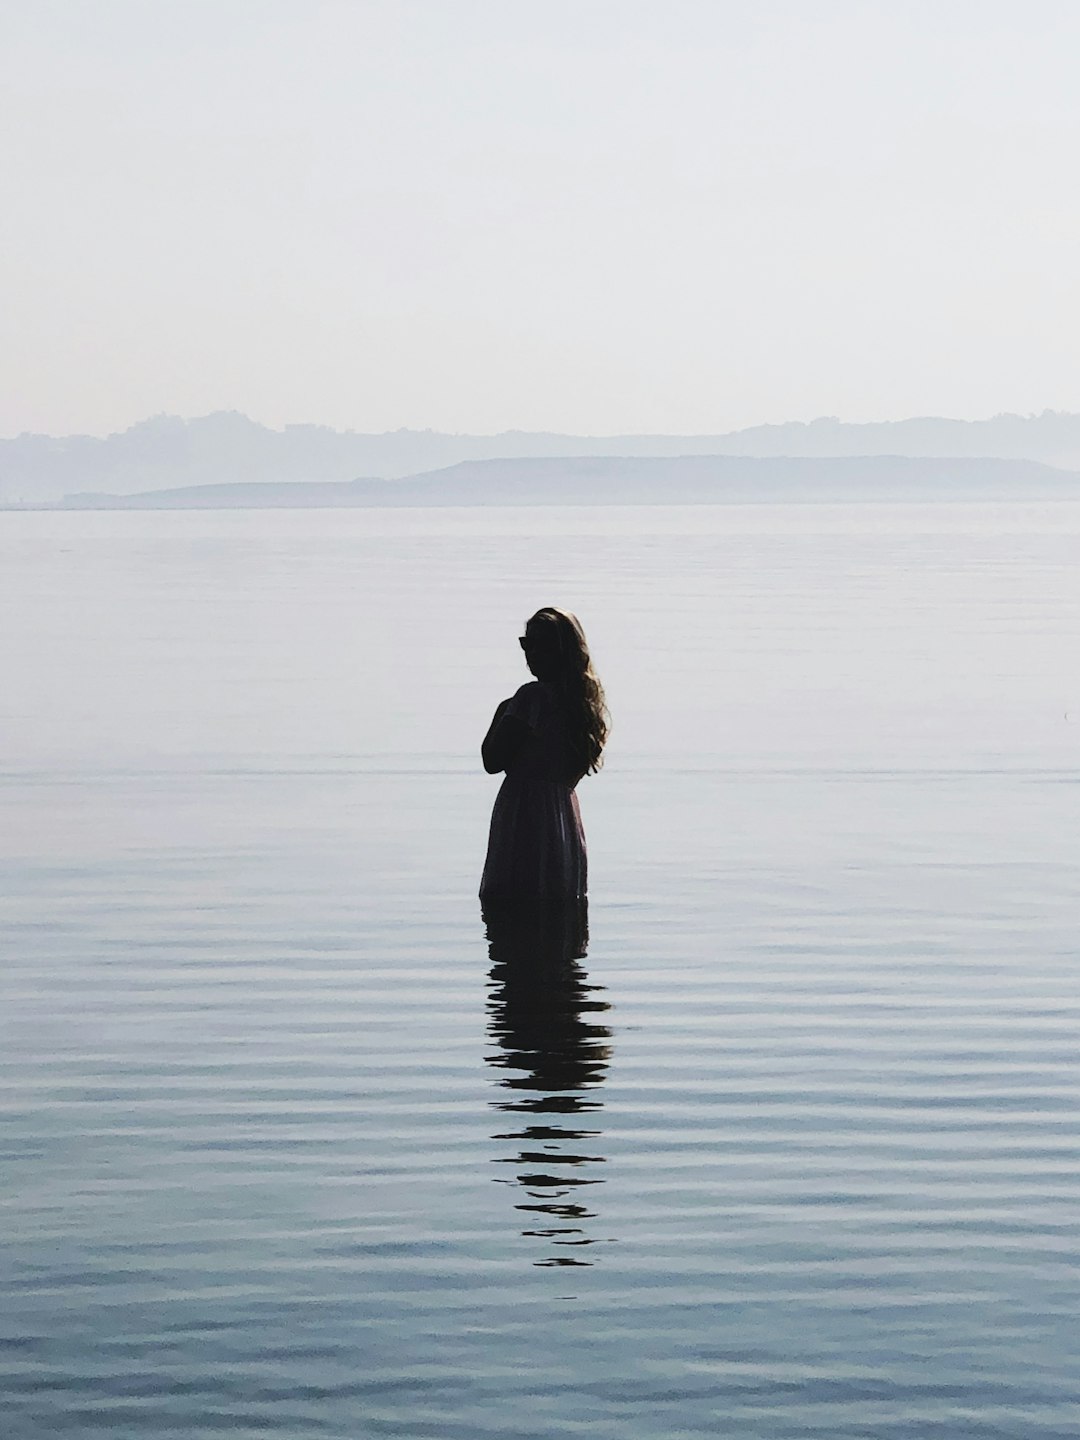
{"x": 634, "y": 480}
{"x": 227, "y": 449}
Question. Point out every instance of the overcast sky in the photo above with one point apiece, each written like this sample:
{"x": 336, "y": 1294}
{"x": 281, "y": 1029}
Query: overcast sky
{"x": 583, "y": 215}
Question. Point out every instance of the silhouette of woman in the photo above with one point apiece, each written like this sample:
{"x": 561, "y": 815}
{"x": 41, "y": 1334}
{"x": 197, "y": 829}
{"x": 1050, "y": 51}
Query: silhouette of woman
{"x": 546, "y": 737}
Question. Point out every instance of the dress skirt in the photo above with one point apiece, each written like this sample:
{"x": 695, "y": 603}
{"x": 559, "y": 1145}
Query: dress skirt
{"x": 536, "y": 845}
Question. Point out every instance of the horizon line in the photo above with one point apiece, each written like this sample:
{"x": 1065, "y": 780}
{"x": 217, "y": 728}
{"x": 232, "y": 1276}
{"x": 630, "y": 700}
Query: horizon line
{"x": 819, "y": 420}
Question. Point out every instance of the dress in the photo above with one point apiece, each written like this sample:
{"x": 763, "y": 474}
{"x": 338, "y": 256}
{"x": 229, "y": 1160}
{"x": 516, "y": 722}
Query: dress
{"x": 536, "y": 846}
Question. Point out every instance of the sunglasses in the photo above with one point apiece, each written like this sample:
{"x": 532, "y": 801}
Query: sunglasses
{"x": 539, "y": 642}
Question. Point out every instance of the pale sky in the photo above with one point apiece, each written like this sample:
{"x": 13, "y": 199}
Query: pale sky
{"x": 581, "y": 215}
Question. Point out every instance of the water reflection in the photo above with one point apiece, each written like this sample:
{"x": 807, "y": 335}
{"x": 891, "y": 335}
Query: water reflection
{"x": 544, "y": 1014}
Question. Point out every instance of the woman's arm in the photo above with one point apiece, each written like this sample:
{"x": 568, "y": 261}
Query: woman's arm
{"x": 504, "y": 739}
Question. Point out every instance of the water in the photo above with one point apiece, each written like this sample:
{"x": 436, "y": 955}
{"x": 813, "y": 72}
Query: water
{"x": 792, "y": 1150}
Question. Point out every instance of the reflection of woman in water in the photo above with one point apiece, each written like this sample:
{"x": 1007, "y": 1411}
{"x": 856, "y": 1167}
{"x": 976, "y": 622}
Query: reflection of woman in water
{"x": 546, "y": 737}
{"x": 553, "y": 1052}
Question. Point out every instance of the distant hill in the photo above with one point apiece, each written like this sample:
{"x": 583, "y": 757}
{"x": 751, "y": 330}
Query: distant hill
{"x": 620, "y": 480}
{"x": 227, "y": 448}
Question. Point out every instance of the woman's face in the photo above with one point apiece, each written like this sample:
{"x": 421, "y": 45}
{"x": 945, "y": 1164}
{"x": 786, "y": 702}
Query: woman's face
{"x": 541, "y": 647}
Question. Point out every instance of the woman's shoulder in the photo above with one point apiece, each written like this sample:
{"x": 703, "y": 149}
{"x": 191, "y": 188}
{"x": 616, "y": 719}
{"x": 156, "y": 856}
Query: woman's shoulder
{"x": 531, "y": 702}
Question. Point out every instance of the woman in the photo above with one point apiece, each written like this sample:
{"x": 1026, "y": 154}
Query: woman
{"x": 546, "y": 737}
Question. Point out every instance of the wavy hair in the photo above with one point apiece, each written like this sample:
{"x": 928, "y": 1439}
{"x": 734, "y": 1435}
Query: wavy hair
{"x": 585, "y": 703}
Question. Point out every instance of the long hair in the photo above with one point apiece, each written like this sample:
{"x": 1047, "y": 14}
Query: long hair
{"x": 587, "y": 715}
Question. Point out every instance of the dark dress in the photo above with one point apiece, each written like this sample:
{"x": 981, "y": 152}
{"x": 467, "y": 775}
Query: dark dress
{"x": 536, "y": 847}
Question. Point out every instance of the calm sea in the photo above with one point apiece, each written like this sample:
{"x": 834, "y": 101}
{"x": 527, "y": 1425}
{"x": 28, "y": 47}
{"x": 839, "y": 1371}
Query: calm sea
{"x": 292, "y": 1148}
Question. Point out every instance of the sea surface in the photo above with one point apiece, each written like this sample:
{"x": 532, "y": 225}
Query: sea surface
{"x": 788, "y": 1145}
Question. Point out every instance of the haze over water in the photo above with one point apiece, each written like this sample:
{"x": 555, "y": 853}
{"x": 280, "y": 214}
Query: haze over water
{"x": 792, "y": 1150}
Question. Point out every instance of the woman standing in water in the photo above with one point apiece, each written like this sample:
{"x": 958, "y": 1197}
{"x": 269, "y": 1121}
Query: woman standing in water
{"x": 546, "y": 737}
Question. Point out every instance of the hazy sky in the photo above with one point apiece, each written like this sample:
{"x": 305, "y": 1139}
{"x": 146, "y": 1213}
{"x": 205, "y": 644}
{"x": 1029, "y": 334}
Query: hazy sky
{"x": 587, "y": 215}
